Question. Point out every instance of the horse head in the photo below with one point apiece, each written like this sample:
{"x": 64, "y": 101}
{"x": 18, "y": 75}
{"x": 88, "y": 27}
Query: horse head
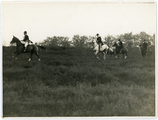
{"x": 14, "y": 40}
{"x": 94, "y": 44}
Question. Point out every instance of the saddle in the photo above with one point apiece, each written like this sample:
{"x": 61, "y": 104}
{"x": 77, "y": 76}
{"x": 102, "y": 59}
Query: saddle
{"x": 22, "y": 42}
{"x": 29, "y": 42}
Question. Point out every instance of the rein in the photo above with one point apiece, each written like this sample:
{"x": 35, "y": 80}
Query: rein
{"x": 18, "y": 43}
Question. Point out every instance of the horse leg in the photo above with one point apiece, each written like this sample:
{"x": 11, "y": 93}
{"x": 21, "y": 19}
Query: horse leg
{"x": 143, "y": 53}
{"x": 113, "y": 53}
{"x": 13, "y": 54}
{"x": 125, "y": 55}
{"x": 16, "y": 55}
{"x": 116, "y": 56}
{"x": 96, "y": 55}
{"x": 37, "y": 55}
{"x": 104, "y": 55}
{"x": 30, "y": 56}
{"x": 36, "y": 52}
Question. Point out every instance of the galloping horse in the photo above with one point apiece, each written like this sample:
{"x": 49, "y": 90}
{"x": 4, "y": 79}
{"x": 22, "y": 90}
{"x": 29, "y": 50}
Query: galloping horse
{"x": 120, "y": 50}
{"x": 103, "y": 49}
{"x": 20, "y": 48}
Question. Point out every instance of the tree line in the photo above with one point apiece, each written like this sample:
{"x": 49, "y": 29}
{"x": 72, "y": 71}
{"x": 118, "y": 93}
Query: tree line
{"x": 86, "y": 41}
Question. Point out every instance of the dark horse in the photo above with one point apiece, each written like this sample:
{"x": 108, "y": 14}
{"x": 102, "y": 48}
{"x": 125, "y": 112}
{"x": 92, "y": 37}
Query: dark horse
{"x": 20, "y": 48}
{"x": 120, "y": 50}
{"x": 144, "y": 49}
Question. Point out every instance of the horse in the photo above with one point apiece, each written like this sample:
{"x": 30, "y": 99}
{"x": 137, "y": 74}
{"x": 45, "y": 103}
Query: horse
{"x": 103, "y": 49}
{"x": 20, "y": 48}
{"x": 120, "y": 50}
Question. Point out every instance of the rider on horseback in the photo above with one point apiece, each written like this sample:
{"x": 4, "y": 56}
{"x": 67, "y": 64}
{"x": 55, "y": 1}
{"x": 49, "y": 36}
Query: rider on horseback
{"x": 26, "y": 40}
{"x": 144, "y": 46}
{"x": 121, "y": 45}
{"x": 99, "y": 41}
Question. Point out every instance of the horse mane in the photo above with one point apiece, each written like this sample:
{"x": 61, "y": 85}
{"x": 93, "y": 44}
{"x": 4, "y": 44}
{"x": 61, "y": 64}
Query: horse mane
{"x": 16, "y": 38}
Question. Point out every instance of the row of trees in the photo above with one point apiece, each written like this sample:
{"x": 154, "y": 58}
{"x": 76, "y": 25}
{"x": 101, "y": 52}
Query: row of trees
{"x": 85, "y": 41}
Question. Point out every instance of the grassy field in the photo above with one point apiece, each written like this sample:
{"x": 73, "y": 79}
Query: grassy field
{"x": 71, "y": 82}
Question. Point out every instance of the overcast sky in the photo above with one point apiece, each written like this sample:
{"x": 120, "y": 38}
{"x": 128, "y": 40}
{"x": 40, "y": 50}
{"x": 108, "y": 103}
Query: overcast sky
{"x": 48, "y": 19}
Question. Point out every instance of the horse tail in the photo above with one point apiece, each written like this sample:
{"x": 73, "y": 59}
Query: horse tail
{"x": 41, "y": 47}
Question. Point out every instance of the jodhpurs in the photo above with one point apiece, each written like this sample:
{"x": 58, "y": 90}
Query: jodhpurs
{"x": 26, "y": 44}
{"x": 99, "y": 45}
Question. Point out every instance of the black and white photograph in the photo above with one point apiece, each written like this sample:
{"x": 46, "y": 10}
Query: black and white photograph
{"x": 90, "y": 59}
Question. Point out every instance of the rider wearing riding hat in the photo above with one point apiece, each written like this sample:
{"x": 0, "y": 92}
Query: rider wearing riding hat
{"x": 99, "y": 41}
{"x": 120, "y": 44}
{"x": 26, "y": 40}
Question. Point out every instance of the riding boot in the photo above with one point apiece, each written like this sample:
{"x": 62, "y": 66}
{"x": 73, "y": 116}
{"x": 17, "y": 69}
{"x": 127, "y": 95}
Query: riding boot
{"x": 99, "y": 47}
{"x": 25, "y": 50}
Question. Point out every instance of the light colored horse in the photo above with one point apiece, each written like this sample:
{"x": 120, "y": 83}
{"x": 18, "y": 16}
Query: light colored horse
{"x": 103, "y": 49}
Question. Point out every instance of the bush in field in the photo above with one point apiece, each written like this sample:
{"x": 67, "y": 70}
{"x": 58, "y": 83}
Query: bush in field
{"x": 85, "y": 42}
{"x": 56, "y": 41}
{"x": 80, "y": 41}
{"x": 64, "y": 41}
{"x": 50, "y": 41}
{"x": 128, "y": 36}
{"x": 109, "y": 40}
{"x": 129, "y": 43}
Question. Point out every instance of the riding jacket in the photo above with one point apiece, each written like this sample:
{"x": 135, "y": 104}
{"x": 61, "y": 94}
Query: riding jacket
{"x": 26, "y": 37}
{"x": 121, "y": 44}
{"x": 99, "y": 40}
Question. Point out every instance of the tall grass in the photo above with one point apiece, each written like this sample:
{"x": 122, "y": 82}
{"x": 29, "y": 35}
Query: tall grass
{"x": 71, "y": 82}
